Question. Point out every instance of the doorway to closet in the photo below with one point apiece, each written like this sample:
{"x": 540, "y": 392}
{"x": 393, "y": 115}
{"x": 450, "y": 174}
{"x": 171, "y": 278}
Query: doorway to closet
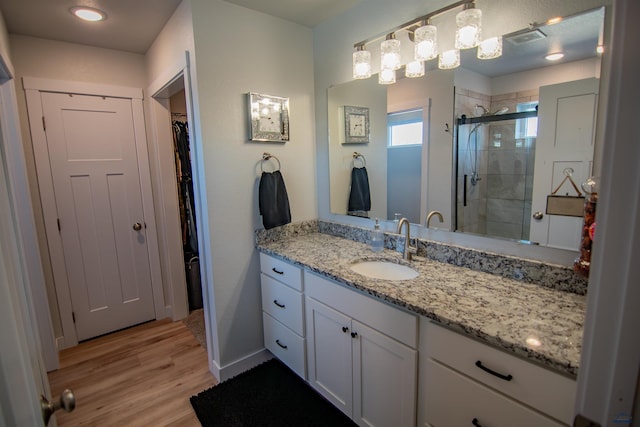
{"x": 186, "y": 200}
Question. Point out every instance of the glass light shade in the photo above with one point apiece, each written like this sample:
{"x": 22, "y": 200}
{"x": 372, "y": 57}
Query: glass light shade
{"x": 387, "y": 76}
{"x": 414, "y": 69}
{"x": 390, "y": 54}
{"x": 468, "y": 32}
{"x": 89, "y": 13}
{"x": 449, "y": 59}
{"x": 554, "y": 56}
{"x": 490, "y": 48}
{"x": 426, "y": 43}
{"x": 361, "y": 64}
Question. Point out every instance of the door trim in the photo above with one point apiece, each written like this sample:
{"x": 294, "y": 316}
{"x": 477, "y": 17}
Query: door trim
{"x": 33, "y": 87}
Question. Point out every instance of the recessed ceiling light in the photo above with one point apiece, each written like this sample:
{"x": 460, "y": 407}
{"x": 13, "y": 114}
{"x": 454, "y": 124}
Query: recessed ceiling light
{"x": 554, "y": 56}
{"x": 88, "y": 13}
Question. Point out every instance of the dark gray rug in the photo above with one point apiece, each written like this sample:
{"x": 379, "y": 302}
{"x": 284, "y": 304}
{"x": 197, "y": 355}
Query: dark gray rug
{"x": 269, "y": 395}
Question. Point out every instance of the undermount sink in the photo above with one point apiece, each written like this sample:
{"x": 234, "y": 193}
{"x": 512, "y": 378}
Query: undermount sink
{"x": 385, "y": 270}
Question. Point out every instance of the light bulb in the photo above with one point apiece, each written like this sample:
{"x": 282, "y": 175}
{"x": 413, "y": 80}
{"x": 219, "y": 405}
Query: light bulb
{"x": 414, "y": 69}
{"x": 490, "y": 48}
{"x": 449, "y": 59}
{"x": 361, "y": 63}
{"x": 387, "y": 76}
{"x": 390, "y": 53}
{"x": 468, "y": 32}
{"x": 88, "y": 13}
{"x": 426, "y": 43}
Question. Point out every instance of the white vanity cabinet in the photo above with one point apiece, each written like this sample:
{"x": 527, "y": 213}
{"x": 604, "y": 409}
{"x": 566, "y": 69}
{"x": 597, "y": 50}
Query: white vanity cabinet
{"x": 466, "y": 382}
{"x": 283, "y": 312}
{"x": 361, "y": 354}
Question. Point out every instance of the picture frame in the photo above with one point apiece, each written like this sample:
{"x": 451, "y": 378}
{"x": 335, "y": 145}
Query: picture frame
{"x": 356, "y": 125}
{"x": 268, "y": 117}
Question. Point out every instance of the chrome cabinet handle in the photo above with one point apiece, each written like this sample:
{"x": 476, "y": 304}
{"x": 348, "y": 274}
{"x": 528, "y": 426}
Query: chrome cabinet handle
{"x": 537, "y": 215}
{"x": 137, "y": 226}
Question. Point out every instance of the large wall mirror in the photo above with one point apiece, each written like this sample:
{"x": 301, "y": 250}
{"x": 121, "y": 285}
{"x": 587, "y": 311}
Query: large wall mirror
{"x": 529, "y": 123}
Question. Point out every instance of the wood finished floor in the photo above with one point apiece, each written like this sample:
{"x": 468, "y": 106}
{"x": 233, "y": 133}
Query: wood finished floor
{"x": 142, "y": 376}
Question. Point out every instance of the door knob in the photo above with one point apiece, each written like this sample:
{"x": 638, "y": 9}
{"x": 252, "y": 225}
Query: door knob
{"x": 137, "y": 226}
{"x": 67, "y": 402}
{"x": 537, "y": 215}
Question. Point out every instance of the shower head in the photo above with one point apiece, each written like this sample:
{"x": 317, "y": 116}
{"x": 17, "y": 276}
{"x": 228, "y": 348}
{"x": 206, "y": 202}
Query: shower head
{"x": 500, "y": 111}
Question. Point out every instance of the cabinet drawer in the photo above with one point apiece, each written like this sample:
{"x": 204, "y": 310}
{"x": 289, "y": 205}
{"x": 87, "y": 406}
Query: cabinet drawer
{"x": 389, "y": 320}
{"x": 283, "y": 303}
{"x": 455, "y": 400}
{"x": 284, "y": 344}
{"x": 531, "y": 384}
{"x": 282, "y": 271}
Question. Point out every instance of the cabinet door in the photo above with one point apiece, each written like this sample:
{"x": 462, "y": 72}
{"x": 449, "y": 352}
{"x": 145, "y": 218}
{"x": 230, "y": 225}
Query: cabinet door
{"x": 384, "y": 379}
{"x": 329, "y": 354}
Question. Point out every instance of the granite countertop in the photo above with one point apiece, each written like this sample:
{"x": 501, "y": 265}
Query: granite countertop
{"x": 540, "y": 324}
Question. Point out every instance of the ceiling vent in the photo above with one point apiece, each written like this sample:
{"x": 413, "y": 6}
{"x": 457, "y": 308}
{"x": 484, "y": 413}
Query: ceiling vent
{"x": 525, "y": 37}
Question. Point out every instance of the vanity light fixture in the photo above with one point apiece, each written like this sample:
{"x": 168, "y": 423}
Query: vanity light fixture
{"x": 449, "y": 59}
{"x": 425, "y": 36}
{"x": 490, "y": 48}
{"x": 88, "y": 13}
{"x": 387, "y": 76}
{"x": 361, "y": 63}
{"x": 554, "y": 56}
{"x": 414, "y": 69}
{"x": 468, "y": 27}
{"x": 390, "y": 53}
{"x": 426, "y": 42}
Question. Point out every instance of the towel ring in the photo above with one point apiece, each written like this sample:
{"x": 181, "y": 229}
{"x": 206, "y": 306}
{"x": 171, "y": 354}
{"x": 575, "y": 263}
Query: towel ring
{"x": 357, "y": 156}
{"x": 267, "y": 156}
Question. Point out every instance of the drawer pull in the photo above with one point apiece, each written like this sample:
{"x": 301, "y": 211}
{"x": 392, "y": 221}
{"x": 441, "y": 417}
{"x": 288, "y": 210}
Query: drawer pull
{"x": 475, "y": 422}
{"x": 275, "y": 301}
{"x": 354, "y": 334}
{"x": 275, "y": 270}
{"x": 281, "y": 345}
{"x": 345, "y": 329}
{"x": 492, "y": 372}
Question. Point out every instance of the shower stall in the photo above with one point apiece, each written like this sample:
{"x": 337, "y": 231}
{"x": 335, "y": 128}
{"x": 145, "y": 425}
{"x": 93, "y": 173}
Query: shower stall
{"x": 495, "y": 153}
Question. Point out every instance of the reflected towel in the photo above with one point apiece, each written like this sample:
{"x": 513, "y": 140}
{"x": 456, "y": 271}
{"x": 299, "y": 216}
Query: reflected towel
{"x": 273, "y": 200}
{"x": 359, "y": 196}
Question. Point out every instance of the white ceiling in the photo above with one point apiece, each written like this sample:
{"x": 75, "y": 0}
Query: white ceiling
{"x": 132, "y": 25}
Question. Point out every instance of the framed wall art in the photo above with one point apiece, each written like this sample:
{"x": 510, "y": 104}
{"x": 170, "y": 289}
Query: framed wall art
{"x": 356, "y": 125}
{"x": 268, "y": 118}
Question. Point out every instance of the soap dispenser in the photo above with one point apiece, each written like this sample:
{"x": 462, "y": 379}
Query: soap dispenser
{"x": 377, "y": 238}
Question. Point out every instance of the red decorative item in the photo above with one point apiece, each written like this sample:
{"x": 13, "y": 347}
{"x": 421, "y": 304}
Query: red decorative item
{"x": 583, "y": 263}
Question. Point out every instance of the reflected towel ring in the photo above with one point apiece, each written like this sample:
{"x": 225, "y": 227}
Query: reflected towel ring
{"x": 267, "y": 156}
{"x": 358, "y": 156}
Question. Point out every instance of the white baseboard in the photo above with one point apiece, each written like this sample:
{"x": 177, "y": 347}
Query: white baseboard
{"x": 241, "y": 365}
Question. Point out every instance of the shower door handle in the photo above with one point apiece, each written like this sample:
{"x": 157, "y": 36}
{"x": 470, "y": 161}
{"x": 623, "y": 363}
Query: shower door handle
{"x": 537, "y": 215}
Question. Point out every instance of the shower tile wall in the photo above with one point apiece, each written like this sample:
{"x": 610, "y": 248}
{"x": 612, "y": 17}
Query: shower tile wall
{"x": 500, "y": 204}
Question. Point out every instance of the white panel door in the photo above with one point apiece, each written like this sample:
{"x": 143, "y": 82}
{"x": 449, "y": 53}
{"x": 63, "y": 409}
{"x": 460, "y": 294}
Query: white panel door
{"x": 384, "y": 378}
{"x": 567, "y": 116}
{"x": 329, "y": 354}
{"x": 22, "y": 376}
{"x": 92, "y": 152}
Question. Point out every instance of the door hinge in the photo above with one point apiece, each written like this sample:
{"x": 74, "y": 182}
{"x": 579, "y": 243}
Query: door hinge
{"x": 58, "y": 221}
{"x": 44, "y": 124}
{"x": 73, "y": 316}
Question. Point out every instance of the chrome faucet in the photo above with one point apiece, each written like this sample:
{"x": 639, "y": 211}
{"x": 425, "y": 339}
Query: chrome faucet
{"x": 408, "y": 249}
{"x": 431, "y": 214}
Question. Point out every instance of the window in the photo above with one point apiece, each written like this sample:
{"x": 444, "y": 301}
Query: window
{"x": 526, "y": 128}
{"x": 405, "y": 128}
